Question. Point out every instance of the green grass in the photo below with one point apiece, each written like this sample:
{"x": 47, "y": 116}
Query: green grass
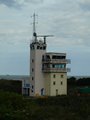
{"x": 16, "y": 107}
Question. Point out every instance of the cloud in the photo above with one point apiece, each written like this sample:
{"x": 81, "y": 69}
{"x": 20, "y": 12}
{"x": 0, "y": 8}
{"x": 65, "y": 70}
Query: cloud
{"x": 68, "y": 22}
{"x": 84, "y": 4}
{"x": 19, "y": 3}
{"x": 10, "y": 3}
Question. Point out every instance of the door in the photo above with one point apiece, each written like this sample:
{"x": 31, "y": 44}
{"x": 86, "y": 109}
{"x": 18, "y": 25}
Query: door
{"x": 56, "y": 92}
{"x": 42, "y": 91}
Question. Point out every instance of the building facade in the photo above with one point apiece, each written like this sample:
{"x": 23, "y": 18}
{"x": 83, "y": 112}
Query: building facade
{"x": 37, "y": 82}
{"x": 48, "y": 71}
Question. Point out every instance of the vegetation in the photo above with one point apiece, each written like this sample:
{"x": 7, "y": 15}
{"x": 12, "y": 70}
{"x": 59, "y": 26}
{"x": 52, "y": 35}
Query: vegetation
{"x": 75, "y": 84}
{"x": 14, "y": 106}
{"x": 11, "y": 85}
{"x": 17, "y": 107}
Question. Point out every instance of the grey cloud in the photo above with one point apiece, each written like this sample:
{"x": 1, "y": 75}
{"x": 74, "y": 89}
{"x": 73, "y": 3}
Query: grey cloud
{"x": 84, "y": 5}
{"x": 19, "y": 3}
{"x": 9, "y": 3}
{"x": 34, "y": 1}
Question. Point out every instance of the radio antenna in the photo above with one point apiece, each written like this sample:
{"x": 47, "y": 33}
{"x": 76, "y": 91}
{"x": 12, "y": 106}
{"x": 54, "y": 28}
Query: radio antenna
{"x": 34, "y": 26}
{"x": 44, "y": 37}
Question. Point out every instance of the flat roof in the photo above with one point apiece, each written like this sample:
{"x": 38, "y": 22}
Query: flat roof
{"x": 55, "y": 53}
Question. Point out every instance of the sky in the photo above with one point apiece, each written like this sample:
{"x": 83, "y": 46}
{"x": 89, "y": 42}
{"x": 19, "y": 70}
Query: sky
{"x": 67, "y": 20}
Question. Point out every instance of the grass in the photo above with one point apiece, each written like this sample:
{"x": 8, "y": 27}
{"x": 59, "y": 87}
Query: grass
{"x": 16, "y": 107}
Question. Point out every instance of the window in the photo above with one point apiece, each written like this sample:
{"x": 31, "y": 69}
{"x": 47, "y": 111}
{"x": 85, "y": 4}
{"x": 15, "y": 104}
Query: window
{"x": 54, "y": 76}
{"x": 62, "y": 76}
{"x": 32, "y": 69}
{"x": 32, "y": 60}
{"x": 53, "y": 66}
{"x": 32, "y": 87}
{"x": 32, "y": 78}
{"x": 31, "y": 90}
{"x": 38, "y": 47}
{"x": 61, "y": 83}
{"x": 54, "y": 83}
{"x": 41, "y": 48}
{"x": 56, "y": 92}
{"x": 58, "y": 57}
{"x": 44, "y": 47}
{"x": 32, "y": 47}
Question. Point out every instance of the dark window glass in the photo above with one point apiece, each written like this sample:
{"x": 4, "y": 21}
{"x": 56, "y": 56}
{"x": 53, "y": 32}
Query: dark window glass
{"x": 44, "y": 47}
{"x": 61, "y": 82}
{"x": 32, "y": 87}
{"x": 32, "y": 78}
{"x": 54, "y": 83}
{"x": 32, "y": 60}
{"x": 53, "y": 66}
{"x": 62, "y": 76}
{"x": 58, "y": 57}
{"x": 32, "y": 69}
{"x": 41, "y": 48}
{"x": 54, "y": 76}
{"x": 38, "y": 47}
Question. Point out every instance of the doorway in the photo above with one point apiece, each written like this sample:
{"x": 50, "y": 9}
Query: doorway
{"x": 42, "y": 91}
{"x": 56, "y": 92}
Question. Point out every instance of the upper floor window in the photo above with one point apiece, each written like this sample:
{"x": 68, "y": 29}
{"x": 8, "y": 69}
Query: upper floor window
{"x": 32, "y": 47}
{"x": 32, "y": 78}
{"x": 44, "y": 47}
{"x": 32, "y": 69}
{"x": 54, "y": 76}
{"x": 54, "y": 82}
{"x": 62, "y": 76}
{"x": 32, "y": 60}
{"x": 32, "y": 86}
{"x": 53, "y": 65}
{"x": 41, "y": 48}
{"x": 61, "y": 83}
{"x": 38, "y": 47}
{"x": 58, "y": 57}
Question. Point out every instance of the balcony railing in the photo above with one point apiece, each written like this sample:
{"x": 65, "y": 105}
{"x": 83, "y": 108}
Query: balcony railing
{"x": 57, "y": 70}
{"x": 67, "y": 61}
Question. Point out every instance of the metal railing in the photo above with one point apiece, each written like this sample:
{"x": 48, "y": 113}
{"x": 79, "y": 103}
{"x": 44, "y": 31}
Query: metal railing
{"x": 67, "y": 61}
{"x": 48, "y": 70}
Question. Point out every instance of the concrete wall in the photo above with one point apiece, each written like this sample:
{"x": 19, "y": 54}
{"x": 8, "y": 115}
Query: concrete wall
{"x": 38, "y": 78}
{"x": 60, "y": 86}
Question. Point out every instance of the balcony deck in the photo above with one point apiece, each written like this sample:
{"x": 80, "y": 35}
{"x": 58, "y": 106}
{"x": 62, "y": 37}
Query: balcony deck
{"x": 56, "y": 70}
{"x": 67, "y": 61}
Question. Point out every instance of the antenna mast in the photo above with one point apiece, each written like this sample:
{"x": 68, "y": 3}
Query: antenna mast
{"x": 44, "y": 37}
{"x": 34, "y": 27}
{"x": 34, "y": 21}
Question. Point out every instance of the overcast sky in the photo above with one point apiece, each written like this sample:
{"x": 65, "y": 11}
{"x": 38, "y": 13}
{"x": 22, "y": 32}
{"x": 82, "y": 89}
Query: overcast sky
{"x": 67, "y": 20}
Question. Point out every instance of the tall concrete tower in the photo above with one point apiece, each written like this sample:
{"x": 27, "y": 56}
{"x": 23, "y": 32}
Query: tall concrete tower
{"x": 48, "y": 71}
{"x": 37, "y": 50}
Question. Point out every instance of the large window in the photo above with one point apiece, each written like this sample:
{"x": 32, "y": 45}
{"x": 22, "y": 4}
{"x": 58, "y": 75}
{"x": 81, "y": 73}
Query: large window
{"x": 58, "y": 57}
{"x": 58, "y": 65}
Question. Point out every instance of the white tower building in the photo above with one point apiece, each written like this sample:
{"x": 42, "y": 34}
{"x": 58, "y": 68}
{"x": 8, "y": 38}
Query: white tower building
{"x": 37, "y": 50}
{"x": 48, "y": 72}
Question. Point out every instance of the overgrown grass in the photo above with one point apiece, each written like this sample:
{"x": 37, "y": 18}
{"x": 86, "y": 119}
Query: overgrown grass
{"x": 16, "y": 107}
